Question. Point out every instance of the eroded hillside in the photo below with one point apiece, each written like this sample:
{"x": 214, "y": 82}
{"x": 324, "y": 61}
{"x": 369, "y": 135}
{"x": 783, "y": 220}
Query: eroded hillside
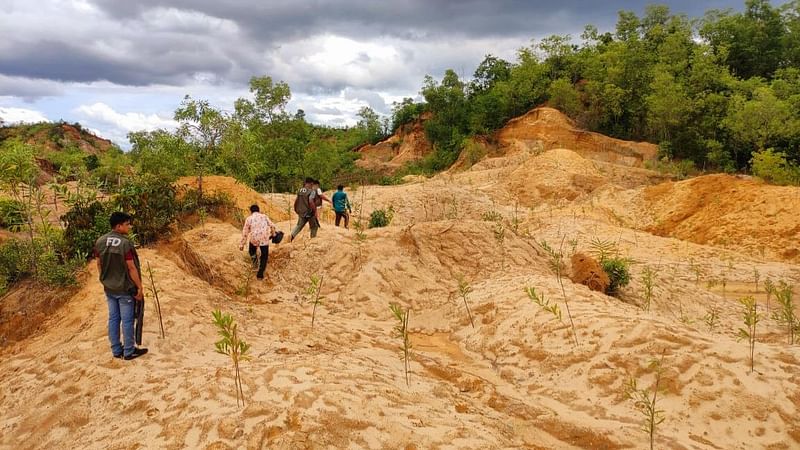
{"x": 517, "y": 379}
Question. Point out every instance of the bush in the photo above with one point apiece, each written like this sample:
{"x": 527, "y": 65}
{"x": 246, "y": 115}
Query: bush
{"x": 773, "y": 167}
{"x": 473, "y": 152}
{"x": 16, "y": 260}
{"x": 86, "y": 221}
{"x": 57, "y": 270}
{"x": 381, "y": 218}
{"x": 680, "y": 169}
{"x": 12, "y": 213}
{"x": 153, "y": 204}
{"x": 44, "y": 259}
{"x": 618, "y": 271}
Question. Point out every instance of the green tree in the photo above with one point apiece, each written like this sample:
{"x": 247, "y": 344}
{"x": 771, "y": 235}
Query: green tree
{"x": 202, "y": 127}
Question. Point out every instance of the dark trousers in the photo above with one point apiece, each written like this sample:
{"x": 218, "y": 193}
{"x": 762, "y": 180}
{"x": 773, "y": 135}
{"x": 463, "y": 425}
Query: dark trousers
{"x": 345, "y": 215}
{"x": 262, "y": 263}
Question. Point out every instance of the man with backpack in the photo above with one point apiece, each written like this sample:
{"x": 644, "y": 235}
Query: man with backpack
{"x": 306, "y": 209}
{"x": 342, "y": 207}
{"x": 319, "y": 197}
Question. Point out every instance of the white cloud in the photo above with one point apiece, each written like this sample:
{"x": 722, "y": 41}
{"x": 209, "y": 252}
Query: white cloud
{"x": 115, "y": 126}
{"x": 21, "y": 115}
{"x": 130, "y": 121}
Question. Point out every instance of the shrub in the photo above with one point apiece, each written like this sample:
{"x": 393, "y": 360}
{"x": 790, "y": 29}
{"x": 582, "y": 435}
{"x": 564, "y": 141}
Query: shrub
{"x": 679, "y": 169}
{"x": 774, "y": 168}
{"x": 618, "y": 271}
{"x": 473, "y": 152}
{"x": 152, "y": 203}
{"x": 85, "y": 222}
{"x": 55, "y": 269}
{"x": 381, "y": 218}
{"x": 16, "y": 260}
{"x": 12, "y": 213}
{"x": 44, "y": 259}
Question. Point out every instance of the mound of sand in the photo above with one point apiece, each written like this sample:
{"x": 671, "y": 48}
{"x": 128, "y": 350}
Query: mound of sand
{"x": 547, "y": 128}
{"x": 242, "y": 195}
{"x": 407, "y": 144}
{"x": 555, "y": 174}
{"x": 722, "y": 210}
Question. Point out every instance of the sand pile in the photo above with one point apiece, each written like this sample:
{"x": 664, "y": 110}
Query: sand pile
{"x": 407, "y": 144}
{"x": 556, "y": 174}
{"x": 548, "y": 128}
{"x": 242, "y": 195}
{"x": 721, "y": 210}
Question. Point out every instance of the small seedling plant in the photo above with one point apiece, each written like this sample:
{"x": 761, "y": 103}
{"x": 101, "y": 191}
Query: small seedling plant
{"x": 401, "y": 331}
{"x": 247, "y": 267}
{"x": 645, "y": 400}
{"x": 500, "y": 236}
{"x": 769, "y": 288}
{"x": 751, "y": 317}
{"x": 312, "y": 294}
{"x": 785, "y": 313}
{"x": 232, "y": 345}
{"x": 557, "y": 265}
{"x": 756, "y": 278}
{"x": 648, "y": 283}
{"x": 464, "y": 289}
{"x": 712, "y": 317}
{"x": 544, "y": 304}
{"x": 154, "y": 291}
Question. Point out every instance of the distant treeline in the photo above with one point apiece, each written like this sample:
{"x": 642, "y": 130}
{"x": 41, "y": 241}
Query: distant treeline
{"x": 721, "y": 92}
{"x": 712, "y": 90}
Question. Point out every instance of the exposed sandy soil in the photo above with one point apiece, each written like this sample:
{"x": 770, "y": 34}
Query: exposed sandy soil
{"x": 407, "y": 144}
{"x": 242, "y": 195}
{"x": 515, "y": 380}
{"x": 548, "y": 128}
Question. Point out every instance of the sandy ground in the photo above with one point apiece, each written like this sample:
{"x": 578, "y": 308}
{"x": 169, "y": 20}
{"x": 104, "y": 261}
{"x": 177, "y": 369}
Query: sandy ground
{"x": 514, "y": 380}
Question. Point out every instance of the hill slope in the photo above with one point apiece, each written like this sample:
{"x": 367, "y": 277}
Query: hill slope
{"x": 515, "y": 380}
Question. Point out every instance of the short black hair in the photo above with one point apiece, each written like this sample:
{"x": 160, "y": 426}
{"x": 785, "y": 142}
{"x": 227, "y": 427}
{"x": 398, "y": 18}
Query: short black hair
{"x": 316, "y": 181}
{"x": 340, "y": 187}
{"x": 118, "y": 218}
{"x": 254, "y": 208}
{"x": 309, "y": 180}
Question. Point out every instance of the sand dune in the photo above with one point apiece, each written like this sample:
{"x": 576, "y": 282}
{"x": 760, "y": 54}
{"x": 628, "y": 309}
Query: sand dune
{"x": 515, "y": 380}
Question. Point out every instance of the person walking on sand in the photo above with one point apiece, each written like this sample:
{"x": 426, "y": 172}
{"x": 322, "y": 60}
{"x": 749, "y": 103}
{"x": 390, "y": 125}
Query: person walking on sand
{"x": 306, "y": 209}
{"x": 319, "y": 197}
{"x": 120, "y": 273}
{"x": 257, "y": 230}
{"x": 342, "y": 207}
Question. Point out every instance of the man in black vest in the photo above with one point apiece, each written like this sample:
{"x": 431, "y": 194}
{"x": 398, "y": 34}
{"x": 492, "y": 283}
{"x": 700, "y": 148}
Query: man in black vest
{"x": 120, "y": 273}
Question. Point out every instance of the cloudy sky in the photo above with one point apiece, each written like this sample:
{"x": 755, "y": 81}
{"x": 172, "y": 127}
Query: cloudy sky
{"x": 121, "y": 65}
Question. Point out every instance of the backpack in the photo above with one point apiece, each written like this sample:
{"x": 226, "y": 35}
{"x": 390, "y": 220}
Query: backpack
{"x": 318, "y": 199}
{"x": 301, "y": 206}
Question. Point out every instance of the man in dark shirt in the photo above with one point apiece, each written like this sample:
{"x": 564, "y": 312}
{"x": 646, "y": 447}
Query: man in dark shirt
{"x": 120, "y": 273}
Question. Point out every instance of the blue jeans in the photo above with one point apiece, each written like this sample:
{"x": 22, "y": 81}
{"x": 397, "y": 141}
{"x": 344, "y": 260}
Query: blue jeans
{"x": 120, "y": 309}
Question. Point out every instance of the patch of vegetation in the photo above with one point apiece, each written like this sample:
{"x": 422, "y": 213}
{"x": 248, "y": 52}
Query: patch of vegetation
{"x": 616, "y": 267}
{"x": 775, "y": 168}
{"x": 381, "y": 217}
{"x": 12, "y": 213}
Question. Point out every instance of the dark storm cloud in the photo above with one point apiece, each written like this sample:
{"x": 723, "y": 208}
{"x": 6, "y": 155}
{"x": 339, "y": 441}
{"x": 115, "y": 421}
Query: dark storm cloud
{"x": 410, "y": 19}
{"x": 173, "y": 42}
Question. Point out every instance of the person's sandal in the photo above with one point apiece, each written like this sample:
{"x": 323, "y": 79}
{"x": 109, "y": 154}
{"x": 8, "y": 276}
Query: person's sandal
{"x": 137, "y": 352}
